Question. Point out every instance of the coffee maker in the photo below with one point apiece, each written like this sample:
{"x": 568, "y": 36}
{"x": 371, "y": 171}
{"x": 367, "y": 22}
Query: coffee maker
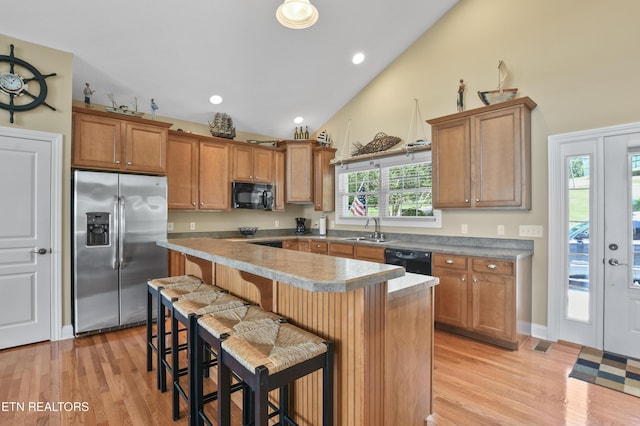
{"x": 300, "y": 229}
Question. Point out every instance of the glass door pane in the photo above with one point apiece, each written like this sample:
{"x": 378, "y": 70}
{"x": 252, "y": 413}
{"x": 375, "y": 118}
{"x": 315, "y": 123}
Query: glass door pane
{"x": 579, "y": 194}
{"x": 635, "y": 219}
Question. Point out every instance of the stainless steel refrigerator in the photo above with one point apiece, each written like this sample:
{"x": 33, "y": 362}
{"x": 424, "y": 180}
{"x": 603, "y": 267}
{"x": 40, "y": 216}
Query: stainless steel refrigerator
{"x": 117, "y": 220}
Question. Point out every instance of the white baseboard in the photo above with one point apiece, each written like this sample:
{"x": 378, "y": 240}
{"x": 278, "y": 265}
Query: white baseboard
{"x": 539, "y": 331}
{"x": 66, "y": 332}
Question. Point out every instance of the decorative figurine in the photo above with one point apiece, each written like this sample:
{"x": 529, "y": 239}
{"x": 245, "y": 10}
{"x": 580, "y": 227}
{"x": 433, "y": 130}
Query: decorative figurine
{"x": 87, "y": 95}
{"x": 460, "y": 102}
{"x": 154, "y": 107}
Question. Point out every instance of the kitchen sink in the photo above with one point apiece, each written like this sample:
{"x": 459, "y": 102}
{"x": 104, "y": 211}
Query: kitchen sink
{"x": 366, "y": 240}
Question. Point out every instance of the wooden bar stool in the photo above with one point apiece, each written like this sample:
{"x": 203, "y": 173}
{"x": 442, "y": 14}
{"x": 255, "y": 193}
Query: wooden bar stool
{"x": 271, "y": 358}
{"x": 210, "y": 329}
{"x": 153, "y": 288}
{"x": 166, "y": 296}
{"x": 199, "y": 303}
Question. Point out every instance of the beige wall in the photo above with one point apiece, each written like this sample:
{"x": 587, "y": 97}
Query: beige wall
{"x": 43, "y": 119}
{"x": 574, "y": 58}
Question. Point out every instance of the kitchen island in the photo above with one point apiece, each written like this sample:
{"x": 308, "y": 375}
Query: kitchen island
{"x": 382, "y": 328}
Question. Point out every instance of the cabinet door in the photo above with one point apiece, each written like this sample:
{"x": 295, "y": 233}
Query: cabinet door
{"x": 182, "y": 174}
{"x": 97, "y": 142}
{"x": 324, "y": 180}
{"x": 372, "y": 254}
{"x": 451, "y": 297}
{"x": 290, "y": 244}
{"x": 341, "y": 250}
{"x": 146, "y": 148}
{"x": 242, "y": 163}
{"x": 262, "y": 165}
{"x": 213, "y": 179}
{"x": 493, "y": 308}
{"x": 498, "y": 159}
{"x": 299, "y": 173}
{"x": 319, "y": 247}
{"x": 451, "y": 164}
{"x": 303, "y": 246}
{"x": 279, "y": 180}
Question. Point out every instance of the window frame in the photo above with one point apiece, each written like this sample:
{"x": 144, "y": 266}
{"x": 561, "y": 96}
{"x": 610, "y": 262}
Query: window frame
{"x": 381, "y": 163}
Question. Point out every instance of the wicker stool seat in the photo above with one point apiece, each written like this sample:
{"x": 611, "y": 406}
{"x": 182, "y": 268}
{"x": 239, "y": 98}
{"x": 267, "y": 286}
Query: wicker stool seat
{"x": 193, "y": 304}
{"x": 210, "y": 329}
{"x": 272, "y": 357}
{"x": 153, "y": 287}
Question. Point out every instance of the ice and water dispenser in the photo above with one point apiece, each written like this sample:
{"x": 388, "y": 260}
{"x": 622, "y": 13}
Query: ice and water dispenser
{"x": 97, "y": 229}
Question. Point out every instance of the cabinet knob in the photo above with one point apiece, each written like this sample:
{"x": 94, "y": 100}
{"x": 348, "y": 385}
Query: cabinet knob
{"x": 251, "y": 177}
{"x": 201, "y": 203}
{"x": 492, "y": 266}
{"x": 463, "y": 279}
{"x": 449, "y": 261}
{"x": 193, "y": 204}
{"x": 477, "y": 200}
{"x": 475, "y": 280}
{"x": 466, "y": 201}
{"x": 128, "y": 163}
{"x": 117, "y": 161}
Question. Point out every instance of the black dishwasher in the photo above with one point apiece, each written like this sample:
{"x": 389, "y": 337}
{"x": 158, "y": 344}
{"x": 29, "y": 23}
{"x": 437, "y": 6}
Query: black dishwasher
{"x": 415, "y": 261}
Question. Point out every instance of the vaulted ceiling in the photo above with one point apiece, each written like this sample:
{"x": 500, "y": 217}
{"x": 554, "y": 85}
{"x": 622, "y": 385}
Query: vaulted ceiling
{"x": 182, "y": 52}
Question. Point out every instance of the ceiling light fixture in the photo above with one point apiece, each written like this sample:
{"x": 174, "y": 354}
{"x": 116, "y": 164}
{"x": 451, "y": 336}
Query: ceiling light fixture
{"x": 298, "y": 120}
{"x": 215, "y": 99}
{"x": 297, "y": 14}
{"x": 358, "y": 58}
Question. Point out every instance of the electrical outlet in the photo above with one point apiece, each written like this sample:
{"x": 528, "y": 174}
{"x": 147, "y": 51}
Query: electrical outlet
{"x": 500, "y": 229}
{"x": 535, "y": 231}
{"x": 276, "y": 224}
{"x": 192, "y": 226}
{"x": 169, "y": 226}
{"x": 464, "y": 228}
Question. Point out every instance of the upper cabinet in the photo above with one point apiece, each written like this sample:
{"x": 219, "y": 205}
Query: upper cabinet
{"x": 198, "y": 172}
{"x": 251, "y": 164}
{"x": 482, "y": 157}
{"x": 108, "y": 141}
{"x": 309, "y": 174}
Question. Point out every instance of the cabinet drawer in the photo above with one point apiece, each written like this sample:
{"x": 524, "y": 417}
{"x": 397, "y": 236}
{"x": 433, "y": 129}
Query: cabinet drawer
{"x": 290, "y": 244}
{"x": 492, "y": 266}
{"x": 318, "y": 247}
{"x": 450, "y": 261}
{"x": 303, "y": 245}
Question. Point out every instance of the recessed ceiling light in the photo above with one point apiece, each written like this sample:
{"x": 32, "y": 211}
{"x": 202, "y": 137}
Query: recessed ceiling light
{"x": 298, "y": 120}
{"x": 215, "y": 99}
{"x": 358, "y": 58}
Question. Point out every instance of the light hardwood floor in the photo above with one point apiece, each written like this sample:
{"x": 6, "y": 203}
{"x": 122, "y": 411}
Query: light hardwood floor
{"x": 474, "y": 384}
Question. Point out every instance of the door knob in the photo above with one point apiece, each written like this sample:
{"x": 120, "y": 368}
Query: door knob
{"x": 40, "y": 251}
{"x": 614, "y": 262}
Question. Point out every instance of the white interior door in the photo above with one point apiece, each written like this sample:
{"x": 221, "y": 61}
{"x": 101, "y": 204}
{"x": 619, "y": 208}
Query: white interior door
{"x": 594, "y": 218}
{"x": 622, "y": 245}
{"x": 25, "y": 240}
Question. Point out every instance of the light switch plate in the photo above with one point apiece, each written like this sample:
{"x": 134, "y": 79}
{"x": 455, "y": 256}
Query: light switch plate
{"x": 535, "y": 231}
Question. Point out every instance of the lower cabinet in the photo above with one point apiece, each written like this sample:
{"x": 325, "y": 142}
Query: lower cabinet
{"x": 340, "y": 250}
{"x": 485, "y": 298}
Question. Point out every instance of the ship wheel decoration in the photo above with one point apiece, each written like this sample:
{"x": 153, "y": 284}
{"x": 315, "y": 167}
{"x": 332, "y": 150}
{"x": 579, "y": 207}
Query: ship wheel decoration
{"x": 24, "y": 93}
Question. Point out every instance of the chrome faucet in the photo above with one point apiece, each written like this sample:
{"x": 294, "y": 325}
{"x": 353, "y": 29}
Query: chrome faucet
{"x": 377, "y": 235}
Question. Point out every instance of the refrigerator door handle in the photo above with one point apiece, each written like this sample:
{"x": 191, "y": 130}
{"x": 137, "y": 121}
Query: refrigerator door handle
{"x": 114, "y": 233}
{"x": 121, "y": 231}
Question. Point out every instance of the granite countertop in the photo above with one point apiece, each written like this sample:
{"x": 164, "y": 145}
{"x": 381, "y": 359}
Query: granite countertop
{"x": 478, "y": 249}
{"x": 308, "y": 271}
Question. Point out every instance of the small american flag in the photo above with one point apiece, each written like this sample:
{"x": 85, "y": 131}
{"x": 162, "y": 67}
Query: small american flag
{"x": 359, "y": 205}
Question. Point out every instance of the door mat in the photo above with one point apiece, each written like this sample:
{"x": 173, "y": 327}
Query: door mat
{"x": 543, "y": 346}
{"x": 609, "y": 370}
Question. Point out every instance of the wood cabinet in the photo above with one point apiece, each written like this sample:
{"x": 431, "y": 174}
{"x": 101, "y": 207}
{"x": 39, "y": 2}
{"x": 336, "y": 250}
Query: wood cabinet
{"x": 290, "y": 244}
{"x": 372, "y": 254}
{"x": 198, "y": 175}
{"x": 482, "y": 157}
{"x": 108, "y": 141}
{"x": 340, "y": 250}
{"x": 299, "y": 172}
{"x": 485, "y": 298}
{"x": 324, "y": 179}
{"x": 320, "y": 247}
{"x": 251, "y": 163}
{"x": 279, "y": 180}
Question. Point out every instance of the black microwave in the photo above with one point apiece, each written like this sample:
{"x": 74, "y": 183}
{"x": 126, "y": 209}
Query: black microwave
{"x": 251, "y": 195}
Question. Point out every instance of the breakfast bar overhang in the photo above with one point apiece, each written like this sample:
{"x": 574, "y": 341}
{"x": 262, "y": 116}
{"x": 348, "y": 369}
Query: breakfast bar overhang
{"x": 379, "y": 318}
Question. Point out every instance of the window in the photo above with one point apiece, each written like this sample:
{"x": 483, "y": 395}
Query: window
{"x": 397, "y": 189}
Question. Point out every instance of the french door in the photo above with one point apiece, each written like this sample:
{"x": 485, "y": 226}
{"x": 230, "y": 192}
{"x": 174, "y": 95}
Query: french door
{"x": 594, "y": 245}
